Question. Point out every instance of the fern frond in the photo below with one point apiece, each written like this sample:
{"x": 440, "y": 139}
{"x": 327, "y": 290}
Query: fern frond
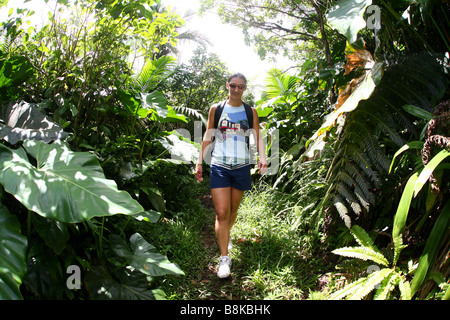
{"x": 384, "y": 122}
{"x": 348, "y": 196}
{"x": 342, "y": 210}
{"x": 363, "y": 238}
{"x": 363, "y": 184}
{"x": 362, "y": 287}
{"x": 386, "y": 287}
{"x": 343, "y": 176}
{"x": 372, "y": 146}
{"x": 347, "y": 290}
{"x": 362, "y": 253}
{"x": 371, "y": 282}
{"x": 405, "y": 288}
{"x": 364, "y": 163}
{"x": 364, "y": 202}
{"x": 361, "y": 133}
{"x": 398, "y": 247}
{"x": 190, "y": 112}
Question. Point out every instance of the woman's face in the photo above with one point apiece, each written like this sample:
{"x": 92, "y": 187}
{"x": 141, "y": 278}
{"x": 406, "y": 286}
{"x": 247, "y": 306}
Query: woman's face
{"x": 236, "y": 87}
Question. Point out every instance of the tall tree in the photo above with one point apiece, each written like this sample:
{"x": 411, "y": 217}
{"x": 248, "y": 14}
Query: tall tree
{"x": 275, "y": 27}
{"x": 198, "y": 84}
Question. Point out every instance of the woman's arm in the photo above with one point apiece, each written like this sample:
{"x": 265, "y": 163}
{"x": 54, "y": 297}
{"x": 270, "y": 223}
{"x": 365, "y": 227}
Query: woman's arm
{"x": 207, "y": 139}
{"x": 260, "y": 147}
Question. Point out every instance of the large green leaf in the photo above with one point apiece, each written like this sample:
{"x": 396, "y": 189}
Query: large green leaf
{"x": 21, "y": 121}
{"x": 144, "y": 257}
{"x": 347, "y": 17}
{"x": 154, "y": 101}
{"x": 14, "y": 71}
{"x": 180, "y": 148}
{"x": 60, "y": 184}
{"x": 54, "y": 233}
{"x": 13, "y": 252}
{"x": 362, "y": 92}
{"x": 124, "y": 285}
{"x": 154, "y": 106}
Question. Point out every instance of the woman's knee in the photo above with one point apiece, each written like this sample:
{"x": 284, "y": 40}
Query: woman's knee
{"x": 222, "y": 214}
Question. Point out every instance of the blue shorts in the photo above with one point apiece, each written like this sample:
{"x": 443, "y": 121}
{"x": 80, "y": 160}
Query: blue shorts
{"x": 237, "y": 178}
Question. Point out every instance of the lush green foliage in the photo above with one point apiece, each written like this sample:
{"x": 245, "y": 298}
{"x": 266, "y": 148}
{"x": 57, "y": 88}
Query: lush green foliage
{"x": 375, "y": 115}
{"x": 76, "y": 70}
{"x": 93, "y": 173}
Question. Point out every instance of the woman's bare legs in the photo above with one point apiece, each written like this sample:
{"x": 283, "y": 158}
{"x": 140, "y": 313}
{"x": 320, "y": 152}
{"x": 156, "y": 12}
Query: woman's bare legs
{"x": 226, "y": 202}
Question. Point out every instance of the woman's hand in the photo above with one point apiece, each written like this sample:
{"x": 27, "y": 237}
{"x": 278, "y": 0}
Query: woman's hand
{"x": 199, "y": 172}
{"x": 262, "y": 166}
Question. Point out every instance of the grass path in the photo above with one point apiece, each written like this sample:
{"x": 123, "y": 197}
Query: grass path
{"x": 271, "y": 260}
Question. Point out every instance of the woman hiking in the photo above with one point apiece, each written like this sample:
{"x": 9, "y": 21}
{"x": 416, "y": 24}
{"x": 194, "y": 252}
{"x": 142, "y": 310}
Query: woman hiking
{"x": 230, "y": 160}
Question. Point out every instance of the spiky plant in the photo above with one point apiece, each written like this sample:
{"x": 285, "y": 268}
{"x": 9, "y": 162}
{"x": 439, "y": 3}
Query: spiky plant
{"x": 383, "y": 279}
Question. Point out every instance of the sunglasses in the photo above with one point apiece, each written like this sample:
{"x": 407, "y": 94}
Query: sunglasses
{"x": 234, "y": 86}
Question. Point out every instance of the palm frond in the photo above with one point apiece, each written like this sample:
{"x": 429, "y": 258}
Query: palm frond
{"x": 278, "y": 83}
{"x": 190, "y": 112}
{"x": 154, "y": 72}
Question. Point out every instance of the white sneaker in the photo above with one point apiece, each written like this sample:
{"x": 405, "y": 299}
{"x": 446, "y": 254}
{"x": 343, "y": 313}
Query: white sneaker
{"x": 224, "y": 267}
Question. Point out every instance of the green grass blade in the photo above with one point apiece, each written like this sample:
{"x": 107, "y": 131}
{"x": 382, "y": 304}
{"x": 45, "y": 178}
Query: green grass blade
{"x": 439, "y": 231}
{"x": 411, "y": 145}
{"x": 428, "y": 170}
{"x": 403, "y": 207}
{"x": 447, "y": 294}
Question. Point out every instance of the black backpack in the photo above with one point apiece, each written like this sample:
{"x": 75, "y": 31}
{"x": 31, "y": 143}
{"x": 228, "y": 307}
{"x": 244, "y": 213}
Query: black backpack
{"x": 219, "y": 109}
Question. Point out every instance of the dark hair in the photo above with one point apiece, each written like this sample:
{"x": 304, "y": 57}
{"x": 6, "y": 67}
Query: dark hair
{"x": 237, "y": 75}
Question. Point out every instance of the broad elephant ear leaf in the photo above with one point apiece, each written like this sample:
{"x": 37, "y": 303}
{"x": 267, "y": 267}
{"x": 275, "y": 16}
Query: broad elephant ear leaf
{"x": 143, "y": 256}
{"x": 60, "y": 184}
{"x": 123, "y": 285}
{"x": 24, "y": 121}
{"x": 13, "y": 252}
{"x": 347, "y": 17}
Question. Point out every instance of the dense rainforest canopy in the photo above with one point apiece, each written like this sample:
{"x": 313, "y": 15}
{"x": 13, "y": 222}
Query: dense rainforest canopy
{"x": 97, "y": 127}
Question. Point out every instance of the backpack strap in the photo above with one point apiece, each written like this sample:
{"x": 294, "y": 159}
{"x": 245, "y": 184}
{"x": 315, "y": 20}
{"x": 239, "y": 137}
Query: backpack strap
{"x": 249, "y": 112}
{"x": 218, "y": 113}
{"x": 219, "y": 109}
